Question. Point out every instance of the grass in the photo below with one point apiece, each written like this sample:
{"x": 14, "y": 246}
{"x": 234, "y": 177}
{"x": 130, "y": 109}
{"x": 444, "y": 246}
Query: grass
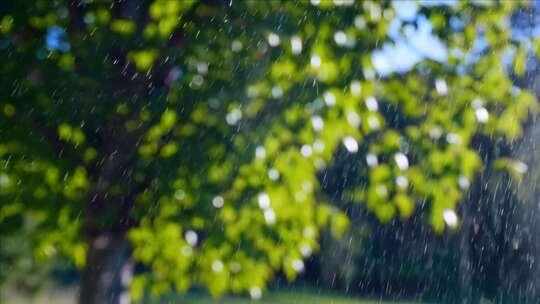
{"x": 293, "y": 296}
{"x": 279, "y": 297}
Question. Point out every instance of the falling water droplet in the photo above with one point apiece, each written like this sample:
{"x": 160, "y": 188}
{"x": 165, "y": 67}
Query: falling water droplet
{"x": 218, "y": 201}
{"x": 450, "y": 218}
{"x": 350, "y": 144}
{"x": 273, "y": 39}
{"x": 191, "y": 237}
{"x": 264, "y": 200}
{"x": 296, "y": 45}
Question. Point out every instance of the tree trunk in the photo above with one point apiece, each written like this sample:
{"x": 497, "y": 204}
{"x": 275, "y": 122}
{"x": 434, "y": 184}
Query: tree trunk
{"x": 108, "y": 270}
{"x": 468, "y": 230}
{"x": 465, "y": 267}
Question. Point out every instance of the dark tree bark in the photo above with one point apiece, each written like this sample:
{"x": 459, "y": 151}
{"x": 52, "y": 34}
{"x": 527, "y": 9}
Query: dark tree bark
{"x": 108, "y": 269}
{"x": 108, "y": 272}
{"x": 468, "y": 231}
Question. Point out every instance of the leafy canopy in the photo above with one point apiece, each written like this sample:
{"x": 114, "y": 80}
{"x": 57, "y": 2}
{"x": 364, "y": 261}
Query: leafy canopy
{"x": 204, "y": 130}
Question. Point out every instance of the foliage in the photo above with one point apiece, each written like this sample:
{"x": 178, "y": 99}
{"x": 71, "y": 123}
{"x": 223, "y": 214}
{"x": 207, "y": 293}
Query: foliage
{"x": 202, "y": 129}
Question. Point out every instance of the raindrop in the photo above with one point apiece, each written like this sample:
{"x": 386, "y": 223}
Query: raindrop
{"x": 402, "y": 161}
{"x": 350, "y": 144}
{"x": 187, "y": 251}
{"x": 255, "y": 292}
{"x": 477, "y": 103}
{"x": 329, "y": 99}
{"x": 234, "y": 116}
{"x": 273, "y": 39}
{"x": 269, "y": 216}
{"x": 235, "y": 267}
{"x": 515, "y": 91}
{"x": 217, "y": 266}
{"x": 371, "y": 160}
{"x": 218, "y": 201}
{"x": 402, "y": 182}
{"x": 343, "y": 2}
{"x": 315, "y": 61}
{"x": 306, "y": 150}
{"x": 296, "y": 45}
{"x": 197, "y": 81}
{"x": 306, "y": 250}
{"x": 202, "y": 68}
{"x": 309, "y": 232}
{"x": 340, "y": 38}
{"x": 374, "y": 123}
{"x": 372, "y": 104}
{"x": 521, "y": 167}
{"x": 252, "y": 92}
{"x": 179, "y": 194}
{"x": 260, "y": 152}
{"x": 4, "y": 180}
{"x": 277, "y": 92}
{"x": 307, "y": 186}
{"x": 482, "y": 115}
{"x": 298, "y": 265}
{"x": 317, "y": 122}
{"x": 441, "y": 87}
{"x": 191, "y": 237}
{"x": 515, "y": 244}
{"x": 375, "y": 12}
{"x": 264, "y": 200}
{"x": 381, "y": 190}
{"x": 236, "y": 46}
{"x": 450, "y": 218}
{"x": 369, "y": 74}
{"x": 353, "y": 119}
{"x": 360, "y": 22}
{"x": 453, "y": 138}
{"x": 356, "y": 88}
{"x": 463, "y": 182}
{"x": 318, "y": 145}
{"x": 273, "y": 174}
{"x": 435, "y": 133}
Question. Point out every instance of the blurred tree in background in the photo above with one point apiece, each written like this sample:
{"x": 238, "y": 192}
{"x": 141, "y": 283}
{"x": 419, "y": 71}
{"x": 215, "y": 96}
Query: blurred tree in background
{"x": 195, "y": 137}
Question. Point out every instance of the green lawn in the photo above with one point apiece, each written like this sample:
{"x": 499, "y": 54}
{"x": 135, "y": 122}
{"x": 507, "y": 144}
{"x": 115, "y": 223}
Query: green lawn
{"x": 62, "y": 296}
{"x": 281, "y": 297}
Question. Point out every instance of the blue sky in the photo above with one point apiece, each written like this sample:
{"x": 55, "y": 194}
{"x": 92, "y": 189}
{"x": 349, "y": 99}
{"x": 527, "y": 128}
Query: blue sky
{"x": 54, "y": 39}
{"x": 413, "y": 44}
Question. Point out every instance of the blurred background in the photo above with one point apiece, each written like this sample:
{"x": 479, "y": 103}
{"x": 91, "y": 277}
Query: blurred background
{"x": 153, "y": 151}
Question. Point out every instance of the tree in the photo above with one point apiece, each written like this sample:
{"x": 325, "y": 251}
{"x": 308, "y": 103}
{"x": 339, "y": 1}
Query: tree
{"x": 193, "y": 136}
